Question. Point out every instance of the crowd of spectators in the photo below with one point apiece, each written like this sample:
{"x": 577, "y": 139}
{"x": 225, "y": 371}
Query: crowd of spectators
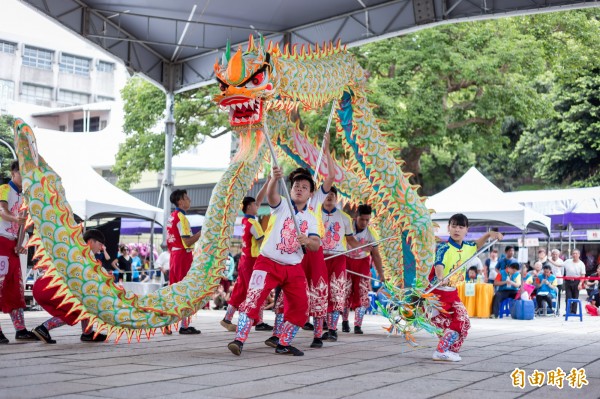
{"x": 546, "y": 281}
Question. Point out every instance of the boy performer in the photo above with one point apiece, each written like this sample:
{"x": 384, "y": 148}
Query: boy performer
{"x": 44, "y": 296}
{"x": 12, "y": 296}
{"x": 251, "y": 239}
{"x": 338, "y": 234}
{"x": 313, "y": 264}
{"x": 180, "y": 242}
{"x": 449, "y": 256}
{"x": 279, "y": 264}
{"x": 359, "y": 261}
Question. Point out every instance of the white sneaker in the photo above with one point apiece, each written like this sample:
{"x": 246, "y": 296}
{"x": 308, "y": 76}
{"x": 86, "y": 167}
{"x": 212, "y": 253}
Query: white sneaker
{"x": 445, "y": 356}
{"x": 456, "y": 354}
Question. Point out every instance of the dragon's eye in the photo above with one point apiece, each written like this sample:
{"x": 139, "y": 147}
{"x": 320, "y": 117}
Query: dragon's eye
{"x": 222, "y": 86}
{"x": 256, "y": 80}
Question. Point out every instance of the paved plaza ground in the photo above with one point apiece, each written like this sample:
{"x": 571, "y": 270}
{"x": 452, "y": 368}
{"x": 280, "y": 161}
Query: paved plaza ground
{"x": 357, "y": 366}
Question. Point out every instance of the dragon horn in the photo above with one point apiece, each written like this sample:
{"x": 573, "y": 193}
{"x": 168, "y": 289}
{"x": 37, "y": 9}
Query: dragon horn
{"x": 227, "y": 54}
{"x": 251, "y": 43}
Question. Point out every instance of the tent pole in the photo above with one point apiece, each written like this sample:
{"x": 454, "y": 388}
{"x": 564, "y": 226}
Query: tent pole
{"x": 152, "y": 245}
{"x": 168, "y": 178}
{"x": 569, "y": 228}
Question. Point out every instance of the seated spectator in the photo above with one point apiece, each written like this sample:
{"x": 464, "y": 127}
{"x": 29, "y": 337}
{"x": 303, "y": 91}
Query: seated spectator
{"x": 508, "y": 282}
{"x": 546, "y": 284}
{"x": 477, "y": 263}
{"x": 530, "y": 282}
{"x": 593, "y": 288}
{"x": 472, "y": 275}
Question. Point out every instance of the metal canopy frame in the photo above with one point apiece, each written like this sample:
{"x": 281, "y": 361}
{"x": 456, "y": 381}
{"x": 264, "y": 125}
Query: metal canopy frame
{"x": 175, "y": 43}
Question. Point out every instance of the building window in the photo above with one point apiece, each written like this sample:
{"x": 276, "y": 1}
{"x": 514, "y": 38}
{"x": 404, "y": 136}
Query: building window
{"x": 67, "y": 98}
{"x": 104, "y": 66}
{"x": 34, "y": 94}
{"x": 104, "y": 98}
{"x": 94, "y": 124}
{"x": 37, "y": 58}
{"x": 76, "y": 65}
{"x": 7, "y": 90}
{"x": 93, "y": 121}
{"x": 7, "y": 47}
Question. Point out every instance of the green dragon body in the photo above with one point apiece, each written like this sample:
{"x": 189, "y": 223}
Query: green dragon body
{"x": 261, "y": 82}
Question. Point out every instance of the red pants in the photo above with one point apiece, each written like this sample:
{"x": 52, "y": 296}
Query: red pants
{"x": 267, "y": 275}
{"x": 12, "y": 295}
{"x": 317, "y": 278}
{"x": 245, "y": 268}
{"x": 43, "y": 296}
{"x": 336, "y": 268}
{"x": 358, "y": 287}
{"x": 456, "y": 319}
{"x": 180, "y": 262}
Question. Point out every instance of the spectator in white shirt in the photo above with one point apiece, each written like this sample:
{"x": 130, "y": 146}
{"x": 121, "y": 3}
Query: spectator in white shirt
{"x": 558, "y": 270}
{"x": 490, "y": 266}
{"x": 162, "y": 262}
{"x": 573, "y": 267}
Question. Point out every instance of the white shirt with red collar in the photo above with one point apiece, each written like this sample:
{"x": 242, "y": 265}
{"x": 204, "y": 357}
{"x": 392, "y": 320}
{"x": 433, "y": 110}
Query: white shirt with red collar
{"x": 338, "y": 226}
{"x": 281, "y": 243}
{"x": 366, "y": 236}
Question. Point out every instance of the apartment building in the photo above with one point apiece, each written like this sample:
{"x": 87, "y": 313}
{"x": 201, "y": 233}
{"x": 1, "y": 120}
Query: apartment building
{"x": 57, "y": 85}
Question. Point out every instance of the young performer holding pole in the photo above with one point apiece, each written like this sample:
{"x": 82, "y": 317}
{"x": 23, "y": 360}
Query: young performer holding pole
{"x": 451, "y": 255}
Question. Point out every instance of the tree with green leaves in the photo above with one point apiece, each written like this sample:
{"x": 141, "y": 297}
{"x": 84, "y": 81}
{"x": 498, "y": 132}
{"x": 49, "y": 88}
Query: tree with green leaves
{"x": 444, "y": 93}
{"x": 565, "y": 149}
{"x": 7, "y": 135}
{"x": 196, "y": 117}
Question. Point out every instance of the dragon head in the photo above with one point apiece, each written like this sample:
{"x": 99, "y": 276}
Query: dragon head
{"x": 245, "y": 80}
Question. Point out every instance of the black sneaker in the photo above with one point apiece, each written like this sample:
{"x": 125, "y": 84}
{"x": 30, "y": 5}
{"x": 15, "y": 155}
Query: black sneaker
{"x": 288, "y": 350}
{"x": 332, "y": 336}
{"x": 235, "y": 347}
{"x": 3, "y": 339}
{"x": 272, "y": 341}
{"x": 317, "y": 343}
{"x": 308, "y": 327}
{"x": 43, "y": 334}
{"x": 189, "y": 331}
{"x": 229, "y": 326}
{"x": 358, "y": 330}
{"x": 325, "y": 336}
{"x": 167, "y": 330}
{"x": 89, "y": 337}
{"x": 345, "y": 326}
{"x": 263, "y": 327}
{"x": 24, "y": 335}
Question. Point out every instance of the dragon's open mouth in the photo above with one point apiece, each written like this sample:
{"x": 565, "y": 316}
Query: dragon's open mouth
{"x": 242, "y": 110}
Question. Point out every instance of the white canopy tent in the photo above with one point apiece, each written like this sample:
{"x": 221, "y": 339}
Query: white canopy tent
{"x": 560, "y": 202}
{"x": 88, "y": 193}
{"x": 483, "y": 203}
